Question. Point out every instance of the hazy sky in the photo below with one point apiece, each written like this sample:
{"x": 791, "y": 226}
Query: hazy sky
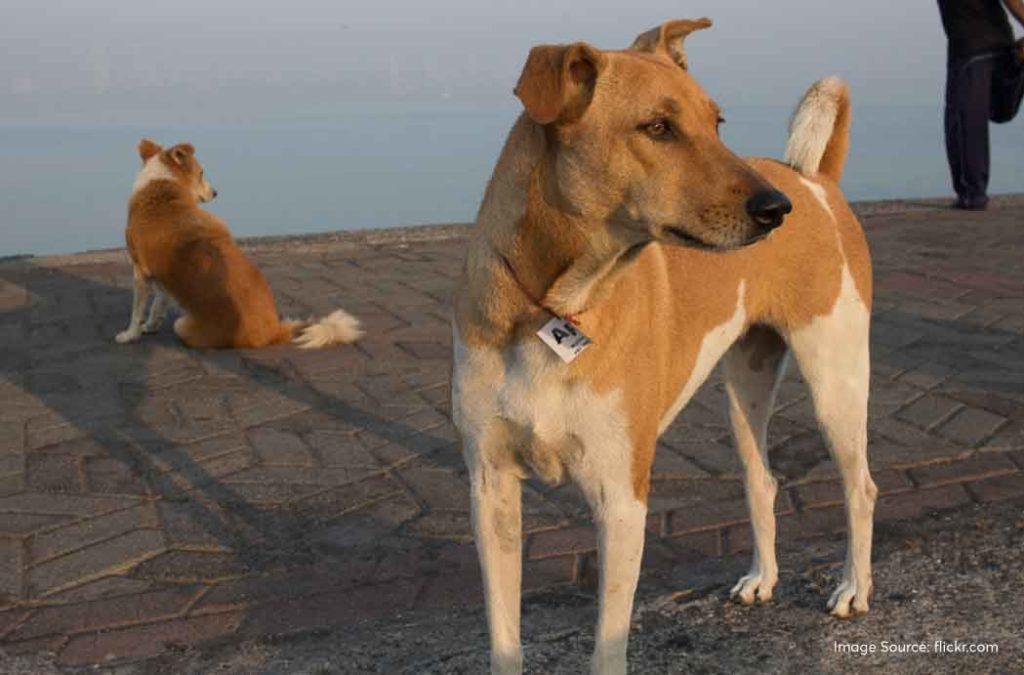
{"x": 183, "y": 61}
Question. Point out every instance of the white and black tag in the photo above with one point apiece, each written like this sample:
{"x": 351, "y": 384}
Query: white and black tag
{"x": 565, "y": 338}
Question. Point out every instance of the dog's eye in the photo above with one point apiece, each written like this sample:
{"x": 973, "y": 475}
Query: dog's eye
{"x": 659, "y": 129}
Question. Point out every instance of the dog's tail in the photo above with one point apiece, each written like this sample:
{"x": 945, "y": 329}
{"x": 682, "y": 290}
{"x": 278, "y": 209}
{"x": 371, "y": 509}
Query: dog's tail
{"x": 338, "y": 327}
{"x": 819, "y": 132}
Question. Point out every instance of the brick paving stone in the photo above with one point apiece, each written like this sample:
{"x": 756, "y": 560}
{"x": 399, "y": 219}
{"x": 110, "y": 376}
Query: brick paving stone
{"x": 830, "y": 493}
{"x": 310, "y": 489}
{"x": 363, "y": 523}
{"x": 579, "y": 539}
{"x": 449, "y": 525}
{"x": 330, "y": 503}
{"x": 109, "y": 475}
{"x": 461, "y": 590}
{"x": 11, "y": 568}
{"x": 62, "y": 504}
{"x": 706, "y": 543}
{"x": 1018, "y": 458}
{"x": 49, "y": 645}
{"x": 975, "y": 467}
{"x": 812, "y": 523}
{"x": 12, "y": 460}
{"x": 332, "y": 608}
{"x": 927, "y": 375}
{"x": 101, "y": 588}
{"x": 54, "y": 473}
{"x": 189, "y": 566}
{"x": 917, "y": 503}
{"x": 11, "y": 484}
{"x": 80, "y": 534}
{"x": 279, "y": 447}
{"x": 10, "y": 619}
{"x": 998, "y": 488}
{"x": 929, "y": 411}
{"x": 971, "y": 426}
{"x": 104, "y": 613}
{"x": 716, "y": 457}
{"x": 18, "y": 524}
{"x": 116, "y": 554}
{"x": 437, "y": 489}
{"x": 671, "y": 464}
{"x": 147, "y": 640}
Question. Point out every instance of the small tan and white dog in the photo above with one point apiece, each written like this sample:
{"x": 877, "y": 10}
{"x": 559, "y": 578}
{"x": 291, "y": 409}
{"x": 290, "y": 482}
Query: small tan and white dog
{"x": 615, "y": 213}
{"x": 183, "y": 251}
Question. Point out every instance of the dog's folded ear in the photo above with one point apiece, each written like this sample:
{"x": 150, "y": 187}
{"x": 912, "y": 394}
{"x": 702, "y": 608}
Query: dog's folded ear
{"x": 148, "y": 148}
{"x": 181, "y": 152}
{"x": 557, "y": 81}
{"x": 668, "y": 38}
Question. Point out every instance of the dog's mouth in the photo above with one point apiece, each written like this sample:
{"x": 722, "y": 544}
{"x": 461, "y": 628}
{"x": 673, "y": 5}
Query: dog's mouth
{"x": 684, "y": 238}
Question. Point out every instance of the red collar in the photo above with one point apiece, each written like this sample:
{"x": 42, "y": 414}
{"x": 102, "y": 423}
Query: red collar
{"x": 571, "y": 318}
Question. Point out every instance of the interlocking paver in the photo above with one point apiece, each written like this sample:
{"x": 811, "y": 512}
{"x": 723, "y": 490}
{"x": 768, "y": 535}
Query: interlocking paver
{"x": 83, "y": 533}
{"x": 11, "y": 568}
{"x": 107, "y": 557}
{"x": 154, "y": 497}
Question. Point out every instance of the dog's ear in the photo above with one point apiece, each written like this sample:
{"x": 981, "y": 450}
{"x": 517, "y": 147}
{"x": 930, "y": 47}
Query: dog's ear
{"x": 181, "y": 152}
{"x": 668, "y": 38}
{"x": 557, "y": 81}
{"x": 148, "y": 148}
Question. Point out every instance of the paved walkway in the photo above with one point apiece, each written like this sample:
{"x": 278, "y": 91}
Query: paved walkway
{"x": 152, "y": 497}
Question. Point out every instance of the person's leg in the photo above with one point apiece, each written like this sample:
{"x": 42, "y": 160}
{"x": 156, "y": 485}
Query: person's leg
{"x": 954, "y": 127}
{"x": 975, "y": 105}
{"x": 968, "y": 103}
{"x": 1008, "y": 85}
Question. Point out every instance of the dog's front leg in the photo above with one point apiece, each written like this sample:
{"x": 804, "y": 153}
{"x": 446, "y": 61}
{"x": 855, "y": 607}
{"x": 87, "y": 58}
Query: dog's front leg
{"x": 620, "y": 519}
{"x": 142, "y": 291}
{"x": 157, "y": 311}
{"x": 497, "y": 529}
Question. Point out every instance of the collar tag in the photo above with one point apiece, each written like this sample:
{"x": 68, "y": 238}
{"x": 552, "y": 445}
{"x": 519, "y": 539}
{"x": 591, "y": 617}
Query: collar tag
{"x": 564, "y": 338}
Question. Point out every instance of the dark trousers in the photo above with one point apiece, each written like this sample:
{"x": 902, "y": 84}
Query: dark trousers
{"x": 979, "y": 88}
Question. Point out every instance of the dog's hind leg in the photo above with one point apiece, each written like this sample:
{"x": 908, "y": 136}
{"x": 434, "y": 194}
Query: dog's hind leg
{"x": 832, "y": 352}
{"x": 142, "y": 289}
{"x": 192, "y": 334}
{"x": 753, "y": 367}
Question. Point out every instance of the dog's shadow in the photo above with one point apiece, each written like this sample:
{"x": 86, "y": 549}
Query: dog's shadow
{"x": 110, "y": 402}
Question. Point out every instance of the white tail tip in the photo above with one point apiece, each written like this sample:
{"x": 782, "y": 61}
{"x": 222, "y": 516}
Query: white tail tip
{"x": 813, "y": 123}
{"x": 338, "y": 327}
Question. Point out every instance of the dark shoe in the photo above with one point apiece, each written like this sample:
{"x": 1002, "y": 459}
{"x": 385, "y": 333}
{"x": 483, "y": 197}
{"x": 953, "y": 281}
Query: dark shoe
{"x": 971, "y": 203}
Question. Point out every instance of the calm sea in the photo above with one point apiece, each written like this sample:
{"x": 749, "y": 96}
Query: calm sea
{"x": 64, "y": 189}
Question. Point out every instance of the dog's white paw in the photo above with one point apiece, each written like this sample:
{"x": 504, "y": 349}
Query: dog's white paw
{"x": 849, "y": 599}
{"x": 754, "y": 587}
{"x": 127, "y": 336}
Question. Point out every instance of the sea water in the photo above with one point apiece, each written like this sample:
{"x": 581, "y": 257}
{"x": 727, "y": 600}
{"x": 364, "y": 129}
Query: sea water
{"x": 65, "y": 188}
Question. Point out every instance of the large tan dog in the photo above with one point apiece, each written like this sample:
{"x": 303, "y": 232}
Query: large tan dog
{"x": 615, "y": 204}
{"x": 181, "y": 250}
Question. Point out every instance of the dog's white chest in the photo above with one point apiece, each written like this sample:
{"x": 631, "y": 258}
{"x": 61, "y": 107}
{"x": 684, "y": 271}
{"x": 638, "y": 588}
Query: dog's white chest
{"x": 554, "y": 422}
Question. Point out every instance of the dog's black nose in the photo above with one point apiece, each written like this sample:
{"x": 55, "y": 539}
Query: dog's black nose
{"x": 214, "y": 194}
{"x": 768, "y": 208}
